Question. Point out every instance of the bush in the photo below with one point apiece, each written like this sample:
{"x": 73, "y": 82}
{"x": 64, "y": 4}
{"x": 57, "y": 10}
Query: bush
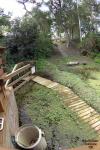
{"x": 91, "y": 42}
{"x": 97, "y": 58}
{"x": 44, "y": 46}
{"x": 29, "y": 38}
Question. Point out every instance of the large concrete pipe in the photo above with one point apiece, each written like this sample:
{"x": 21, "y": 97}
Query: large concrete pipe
{"x": 30, "y": 137}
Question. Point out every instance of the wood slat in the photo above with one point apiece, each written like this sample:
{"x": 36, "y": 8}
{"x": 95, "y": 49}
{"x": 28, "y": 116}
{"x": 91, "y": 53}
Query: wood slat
{"x": 71, "y": 101}
{"x": 10, "y": 75}
{"x": 97, "y": 128}
{"x": 93, "y": 118}
{"x": 19, "y": 86}
{"x": 74, "y": 102}
{"x": 88, "y": 115}
{"x": 77, "y": 104}
{"x": 52, "y": 85}
{"x": 85, "y": 113}
{"x": 96, "y": 124}
{"x": 8, "y": 81}
{"x": 83, "y": 110}
{"x": 20, "y": 78}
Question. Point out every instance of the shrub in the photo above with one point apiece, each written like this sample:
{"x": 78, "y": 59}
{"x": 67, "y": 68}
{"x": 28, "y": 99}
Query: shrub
{"x": 91, "y": 42}
{"x": 97, "y": 58}
{"x": 30, "y": 37}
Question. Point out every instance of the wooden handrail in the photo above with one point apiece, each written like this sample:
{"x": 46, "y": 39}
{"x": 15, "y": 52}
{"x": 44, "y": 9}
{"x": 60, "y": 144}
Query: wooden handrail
{"x": 7, "y": 82}
{"x": 12, "y": 74}
{"x": 19, "y": 75}
{"x": 19, "y": 86}
{"x": 20, "y": 78}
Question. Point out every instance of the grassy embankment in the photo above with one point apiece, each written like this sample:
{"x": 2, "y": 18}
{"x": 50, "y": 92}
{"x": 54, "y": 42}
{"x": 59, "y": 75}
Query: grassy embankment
{"x": 46, "y": 109}
{"x": 82, "y": 79}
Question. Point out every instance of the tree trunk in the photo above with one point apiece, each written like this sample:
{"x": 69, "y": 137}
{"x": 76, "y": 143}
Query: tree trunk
{"x": 67, "y": 38}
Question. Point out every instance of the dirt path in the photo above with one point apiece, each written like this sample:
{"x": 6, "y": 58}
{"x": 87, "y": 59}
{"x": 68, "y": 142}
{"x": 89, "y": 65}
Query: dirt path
{"x": 64, "y": 51}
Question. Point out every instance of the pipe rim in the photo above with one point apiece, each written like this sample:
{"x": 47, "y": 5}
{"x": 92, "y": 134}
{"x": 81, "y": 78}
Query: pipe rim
{"x": 27, "y": 126}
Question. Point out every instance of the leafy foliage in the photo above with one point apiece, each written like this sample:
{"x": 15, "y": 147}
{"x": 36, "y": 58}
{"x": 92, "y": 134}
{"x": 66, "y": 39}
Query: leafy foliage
{"x": 91, "y": 42}
{"x": 74, "y": 18}
{"x": 97, "y": 58}
{"x": 30, "y": 37}
{"x": 4, "y": 18}
{"x": 46, "y": 109}
{"x": 4, "y": 25}
{"x": 65, "y": 17}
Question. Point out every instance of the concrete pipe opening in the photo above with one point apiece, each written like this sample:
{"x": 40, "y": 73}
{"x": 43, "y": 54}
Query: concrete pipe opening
{"x": 29, "y": 137}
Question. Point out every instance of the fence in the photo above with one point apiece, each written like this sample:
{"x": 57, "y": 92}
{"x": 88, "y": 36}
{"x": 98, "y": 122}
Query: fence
{"x": 20, "y": 74}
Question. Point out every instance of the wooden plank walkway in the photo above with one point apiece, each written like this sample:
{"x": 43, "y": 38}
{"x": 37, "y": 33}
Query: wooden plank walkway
{"x": 74, "y": 102}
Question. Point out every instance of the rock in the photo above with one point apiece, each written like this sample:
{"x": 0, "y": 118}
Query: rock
{"x": 72, "y": 63}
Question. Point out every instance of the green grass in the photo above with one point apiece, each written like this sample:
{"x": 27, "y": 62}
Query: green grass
{"x": 72, "y": 80}
{"x": 97, "y": 60}
{"x": 94, "y": 82}
{"x": 46, "y": 109}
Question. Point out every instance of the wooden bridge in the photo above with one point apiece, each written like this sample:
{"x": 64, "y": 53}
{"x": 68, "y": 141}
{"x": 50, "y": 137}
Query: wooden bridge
{"x": 74, "y": 102}
{"x": 20, "y": 75}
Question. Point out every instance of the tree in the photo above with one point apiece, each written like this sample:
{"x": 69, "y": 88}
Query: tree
{"x": 74, "y": 17}
{"x": 4, "y": 18}
{"x": 4, "y": 25}
{"x": 33, "y": 2}
{"x": 65, "y": 17}
{"x": 44, "y": 22}
{"x": 88, "y": 12}
{"x": 30, "y": 37}
{"x": 56, "y": 12}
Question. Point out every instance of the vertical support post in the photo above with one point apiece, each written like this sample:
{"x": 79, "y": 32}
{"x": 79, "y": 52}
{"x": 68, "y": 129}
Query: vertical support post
{"x": 79, "y": 21}
{"x": 1, "y": 74}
